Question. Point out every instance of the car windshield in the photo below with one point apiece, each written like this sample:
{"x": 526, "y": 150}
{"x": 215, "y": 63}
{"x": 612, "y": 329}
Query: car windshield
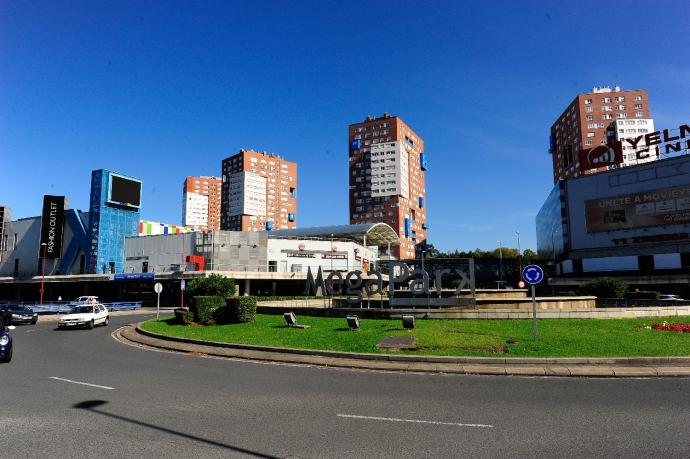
{"x": 17, "y": 308}
{"x": 82, "y": 310}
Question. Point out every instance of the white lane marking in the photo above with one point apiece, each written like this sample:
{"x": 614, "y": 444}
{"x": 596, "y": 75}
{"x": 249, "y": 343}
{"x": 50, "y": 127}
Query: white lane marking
{"x": 31, "y": 331}
{"x": 82, "y": 383}
{"x": 418, "y": 421}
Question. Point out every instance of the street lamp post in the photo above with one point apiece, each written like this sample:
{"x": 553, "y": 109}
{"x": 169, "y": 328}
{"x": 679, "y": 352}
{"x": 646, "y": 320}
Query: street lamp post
{"x": 553, "y": 257}
{"x": 500, "y": 265}
{"x": 519, "y": 255}
{"x": 43, "y": 268}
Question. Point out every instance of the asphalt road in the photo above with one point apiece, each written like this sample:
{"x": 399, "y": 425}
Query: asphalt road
{"x": 158, "y": 404}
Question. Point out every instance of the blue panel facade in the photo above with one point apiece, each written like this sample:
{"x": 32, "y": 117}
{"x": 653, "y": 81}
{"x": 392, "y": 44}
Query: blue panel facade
{"x": 108, "y": 227}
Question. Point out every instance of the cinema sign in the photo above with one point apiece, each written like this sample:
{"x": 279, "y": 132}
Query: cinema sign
{"x": 656, "y": 143}
{"x": 354, "y": 284}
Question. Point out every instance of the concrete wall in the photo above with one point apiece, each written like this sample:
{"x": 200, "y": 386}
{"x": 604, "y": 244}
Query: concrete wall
{"x": 163, "y": 253}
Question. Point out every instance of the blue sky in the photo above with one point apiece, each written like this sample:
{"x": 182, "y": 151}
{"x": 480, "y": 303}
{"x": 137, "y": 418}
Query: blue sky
{"x": 162, "y": 90}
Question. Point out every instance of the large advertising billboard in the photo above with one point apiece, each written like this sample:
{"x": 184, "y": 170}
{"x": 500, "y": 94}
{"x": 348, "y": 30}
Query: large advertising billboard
{"x": 52, "y": 224}
{"x": 124, "y": 191}
{"x": 657, "y": 207}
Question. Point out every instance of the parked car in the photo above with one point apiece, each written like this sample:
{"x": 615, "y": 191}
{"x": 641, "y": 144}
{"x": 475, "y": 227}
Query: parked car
{"x": 20, "y": 314}
{"x": 86, "y": 299}
{"x": 5, "y": 338}
{"x": 85, "y": 315}
{"x": 670, "y": 297}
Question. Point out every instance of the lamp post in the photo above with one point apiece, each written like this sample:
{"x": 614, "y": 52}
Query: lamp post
{"x": 553, "y": 256}
{"x": 519, "y": 255}
{"x": 43, "y": 268}
{"x": 500, "y": 264}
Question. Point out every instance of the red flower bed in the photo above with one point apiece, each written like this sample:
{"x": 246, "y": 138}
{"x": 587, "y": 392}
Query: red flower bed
{"x": 678, "y": 328}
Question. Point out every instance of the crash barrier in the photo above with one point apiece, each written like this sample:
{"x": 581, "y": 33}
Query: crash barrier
{"x": 629, "y": 303}
{"x": 63, "y": 307}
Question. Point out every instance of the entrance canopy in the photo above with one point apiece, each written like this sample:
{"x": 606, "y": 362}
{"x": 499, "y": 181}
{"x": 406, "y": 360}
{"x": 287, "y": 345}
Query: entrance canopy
{"x": 368, "y": 234}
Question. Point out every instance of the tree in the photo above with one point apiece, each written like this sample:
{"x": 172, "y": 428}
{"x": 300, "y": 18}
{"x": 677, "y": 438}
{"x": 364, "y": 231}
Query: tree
{"x": 213, "y": 285}
{"x": 605, "y": 287}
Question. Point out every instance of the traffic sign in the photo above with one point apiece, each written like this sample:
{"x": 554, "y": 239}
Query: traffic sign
{"x": 182, "y": 284}
{"x": 533, "y": 274}
{"x": 158, "y": 287}
{"x": 521, "y": 284}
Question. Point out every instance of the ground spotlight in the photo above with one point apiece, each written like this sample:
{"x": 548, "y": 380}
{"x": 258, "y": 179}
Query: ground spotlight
{"x": 291, "y": 320}
{"x": 353, "y": 322}
{"x": 408, "y": 321}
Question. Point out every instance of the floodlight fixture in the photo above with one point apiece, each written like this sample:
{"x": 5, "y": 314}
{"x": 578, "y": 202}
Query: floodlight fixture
{"x": 290, "y": 318}
{"x": 353, "y": 322}
{"x": 408, "y": 321}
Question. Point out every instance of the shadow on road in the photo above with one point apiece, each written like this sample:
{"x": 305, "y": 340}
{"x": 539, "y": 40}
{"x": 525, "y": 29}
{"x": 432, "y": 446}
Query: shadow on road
{"x": 92, "y": 405}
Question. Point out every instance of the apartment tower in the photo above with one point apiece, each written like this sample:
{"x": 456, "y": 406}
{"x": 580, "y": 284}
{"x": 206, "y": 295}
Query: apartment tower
{"x": 259, "y": 192}
{"x": 201, "y": 198}
{"x": 387, "y": 164}
{"x": 585, "y": 122}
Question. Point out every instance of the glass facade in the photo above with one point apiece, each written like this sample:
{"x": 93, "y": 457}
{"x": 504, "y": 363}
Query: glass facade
{"x": 551, "y": 228}
{"x": 109, "y": 224}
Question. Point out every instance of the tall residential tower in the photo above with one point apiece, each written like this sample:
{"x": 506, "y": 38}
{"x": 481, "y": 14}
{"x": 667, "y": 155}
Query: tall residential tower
{"x": 259, "y": 192}
{"x": 387, "y": 164}
{"x": 585, "y": 122}
{"x": 201, "y": 198}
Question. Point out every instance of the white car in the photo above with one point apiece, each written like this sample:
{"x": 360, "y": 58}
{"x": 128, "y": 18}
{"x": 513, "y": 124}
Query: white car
{"x": 85, "y": 315}
{"x": 670, "y": 297}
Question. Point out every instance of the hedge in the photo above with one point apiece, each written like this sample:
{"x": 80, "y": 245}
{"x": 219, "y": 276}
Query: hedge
{"x": 239, "y": 309}
{"x": 204, "y": 307}
{"x": 605, "y": 287}
{"x": 184, "y": 316}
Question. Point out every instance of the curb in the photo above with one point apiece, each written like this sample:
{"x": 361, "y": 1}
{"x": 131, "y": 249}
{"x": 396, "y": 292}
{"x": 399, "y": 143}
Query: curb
{"x": 585, "y": 367}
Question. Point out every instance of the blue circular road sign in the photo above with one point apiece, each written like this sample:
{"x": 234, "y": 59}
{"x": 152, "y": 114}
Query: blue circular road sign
{"x": 533, "y": 274}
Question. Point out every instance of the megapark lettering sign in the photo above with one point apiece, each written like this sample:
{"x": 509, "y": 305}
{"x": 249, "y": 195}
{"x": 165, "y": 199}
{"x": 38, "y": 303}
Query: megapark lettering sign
{"x": 353, "y": 285}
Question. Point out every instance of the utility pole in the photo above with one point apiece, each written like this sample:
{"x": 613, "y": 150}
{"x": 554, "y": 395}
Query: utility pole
{"x": 43, "y": 268}
{"x": 500, "y": 254}
{"x": 519, "y": 255}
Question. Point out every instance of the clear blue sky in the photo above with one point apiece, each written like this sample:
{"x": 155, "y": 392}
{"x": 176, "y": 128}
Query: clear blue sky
{"x": 162, "y": 90}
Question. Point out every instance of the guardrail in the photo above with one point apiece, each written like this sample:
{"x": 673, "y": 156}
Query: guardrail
{"x": 629, "y": 303}
{"x": 66, "y": 306}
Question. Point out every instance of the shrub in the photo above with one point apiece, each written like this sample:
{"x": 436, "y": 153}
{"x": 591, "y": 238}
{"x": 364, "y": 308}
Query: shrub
{"x": 213, "y": 285}
{"x": 205, "y": 306}
{"x": 183, "y": 316}
{"x": 606, "y": 287}
{"x": 643, "y": 295}
{"x": 239, "y": 309}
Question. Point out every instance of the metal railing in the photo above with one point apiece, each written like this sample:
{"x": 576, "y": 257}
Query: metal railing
{"x": 62, "y": 307}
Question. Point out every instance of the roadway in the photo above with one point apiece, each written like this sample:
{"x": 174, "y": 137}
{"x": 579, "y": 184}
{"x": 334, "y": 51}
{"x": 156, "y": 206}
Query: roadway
{"x": 81, "y": 393}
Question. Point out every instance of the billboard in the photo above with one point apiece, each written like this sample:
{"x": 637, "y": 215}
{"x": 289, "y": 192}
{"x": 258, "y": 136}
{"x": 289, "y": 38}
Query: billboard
{"x": 52, "y": 224}
{"x": 603, "y": 155}
{"x": 124, "y": 191}
{"x": 657, "y": 207}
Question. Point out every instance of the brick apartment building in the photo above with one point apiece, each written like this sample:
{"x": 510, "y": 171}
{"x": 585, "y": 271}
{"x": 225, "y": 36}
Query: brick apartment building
{"x": 585, "y": 122}
{"x": 259, "y": 192}
{"x": 387, "y": 164}
{"x": 201, "y": 198}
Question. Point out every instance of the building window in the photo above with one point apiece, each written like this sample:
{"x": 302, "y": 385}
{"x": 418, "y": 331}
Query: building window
{"x": 638, "y": 97}
{"x": 588, "y": 101}
{"x": 589, "y": 109}
{"x": 590, "y": 117}
{"x": 639, "y": 115}
{"x": 638, "y": 106}
{"x": 588, "y": 142}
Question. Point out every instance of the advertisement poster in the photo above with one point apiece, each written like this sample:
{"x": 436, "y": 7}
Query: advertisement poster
{"x": 661, "y": 206}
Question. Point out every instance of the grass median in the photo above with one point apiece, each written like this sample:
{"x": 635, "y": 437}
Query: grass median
{"x": 487, "y": 338}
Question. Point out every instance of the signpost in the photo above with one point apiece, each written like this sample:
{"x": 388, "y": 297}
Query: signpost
{"x": 533, "y": 275}
{"x": 158, "y": 288}
{"x": 182, "y": 287}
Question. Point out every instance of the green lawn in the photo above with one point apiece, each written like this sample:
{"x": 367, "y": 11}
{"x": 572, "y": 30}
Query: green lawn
{"x": 493, "y": 338}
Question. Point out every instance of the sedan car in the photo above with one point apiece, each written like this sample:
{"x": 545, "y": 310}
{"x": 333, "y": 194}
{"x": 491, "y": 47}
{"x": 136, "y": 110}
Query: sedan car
{"x": 85, "y": 315}
{"x": 20, "y": 314}
{"x": 5, "y": 339}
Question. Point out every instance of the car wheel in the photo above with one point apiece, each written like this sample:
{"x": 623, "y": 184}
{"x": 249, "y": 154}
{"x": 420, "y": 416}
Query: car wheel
{"x": 90, "y": 325}
{"x": 8, "y": 357}
{"x": 33, "y": 322}
{"x": 105, "y": 322}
